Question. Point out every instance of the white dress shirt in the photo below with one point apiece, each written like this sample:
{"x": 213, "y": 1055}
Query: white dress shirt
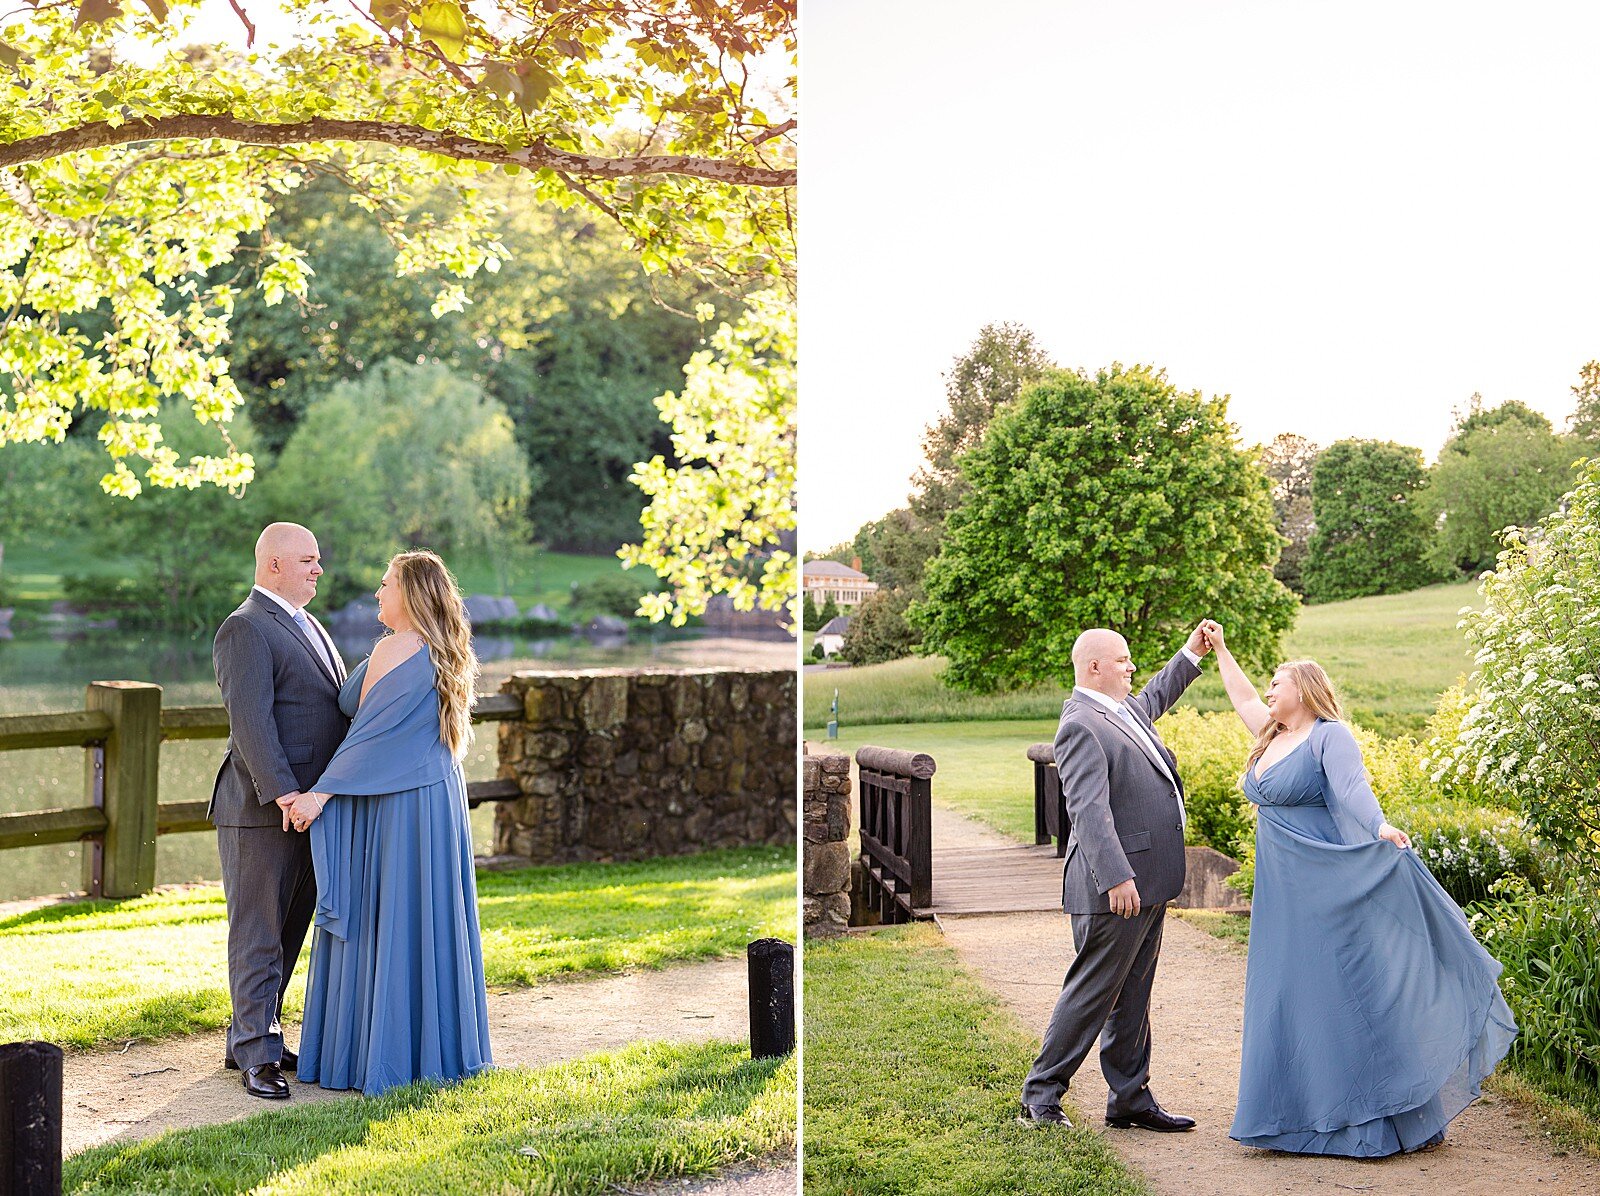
{"x": 1128, "y": 719}
{"x": 300, "y": 619}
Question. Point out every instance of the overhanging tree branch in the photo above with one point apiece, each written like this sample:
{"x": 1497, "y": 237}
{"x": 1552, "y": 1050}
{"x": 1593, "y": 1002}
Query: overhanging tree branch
{"x": 395, "y": 133}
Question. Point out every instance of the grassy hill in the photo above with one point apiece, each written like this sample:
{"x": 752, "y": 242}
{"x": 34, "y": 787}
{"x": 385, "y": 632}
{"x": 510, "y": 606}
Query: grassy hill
{"x": 1390, "y": 656}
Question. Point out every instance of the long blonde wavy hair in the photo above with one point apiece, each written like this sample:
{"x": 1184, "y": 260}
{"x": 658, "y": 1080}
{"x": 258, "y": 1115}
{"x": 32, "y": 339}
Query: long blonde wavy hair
{"x": 1316, "y": 694}
{"x": 433, "y": 600}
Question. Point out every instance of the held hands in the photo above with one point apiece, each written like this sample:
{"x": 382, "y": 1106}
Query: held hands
{"x": 1394, "y": 835}
{"x": 284, "y": 803}
{"x": 1197, "y": 641}
{"x": 1212, "y": 631}
{"x": 303, "y": 812}
{"x": 1124, "y": 899}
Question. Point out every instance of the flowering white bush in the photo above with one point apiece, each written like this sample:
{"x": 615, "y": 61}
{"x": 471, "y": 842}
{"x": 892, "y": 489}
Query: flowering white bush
{"x": 1533, "y": 730}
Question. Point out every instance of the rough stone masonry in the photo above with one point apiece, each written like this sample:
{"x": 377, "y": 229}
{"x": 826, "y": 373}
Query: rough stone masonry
{"x": 626, "y": 764}
{"x": 827, "y": 854}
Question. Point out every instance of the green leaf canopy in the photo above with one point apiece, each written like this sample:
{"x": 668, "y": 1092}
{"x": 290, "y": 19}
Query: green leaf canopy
{"x": 1107, "y": 501}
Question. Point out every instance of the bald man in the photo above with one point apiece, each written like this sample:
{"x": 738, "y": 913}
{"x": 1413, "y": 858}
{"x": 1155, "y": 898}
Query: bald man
{"x": 280, "y": 676}
{"x": 1124, "y": 863}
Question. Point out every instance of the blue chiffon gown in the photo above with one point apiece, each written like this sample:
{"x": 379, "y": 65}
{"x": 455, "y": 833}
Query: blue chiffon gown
{"x": 396, "y": 990}
{"x": 1371, "y": 1014}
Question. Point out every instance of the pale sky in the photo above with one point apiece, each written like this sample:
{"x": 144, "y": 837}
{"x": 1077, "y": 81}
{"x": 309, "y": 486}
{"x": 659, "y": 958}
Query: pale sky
{"x": 1348, "y": 216}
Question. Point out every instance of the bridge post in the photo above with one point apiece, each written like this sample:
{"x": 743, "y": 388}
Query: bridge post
{"x": 121, "y": 777}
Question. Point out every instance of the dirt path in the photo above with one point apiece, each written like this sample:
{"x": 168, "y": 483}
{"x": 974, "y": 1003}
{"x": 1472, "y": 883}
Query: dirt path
{"x": 1492, "y": 1149}
{"x": 154, "y": 1086}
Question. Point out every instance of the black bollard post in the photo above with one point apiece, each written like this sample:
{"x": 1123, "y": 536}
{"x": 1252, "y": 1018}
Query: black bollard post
{"x": 771, "y": 998}
{"x": 30, "y": 1119}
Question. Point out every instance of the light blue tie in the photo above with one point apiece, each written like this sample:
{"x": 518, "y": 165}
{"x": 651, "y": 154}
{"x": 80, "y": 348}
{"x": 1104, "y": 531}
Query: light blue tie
{"x": 1161, "y": 763}
{"x": 304, "y": 624}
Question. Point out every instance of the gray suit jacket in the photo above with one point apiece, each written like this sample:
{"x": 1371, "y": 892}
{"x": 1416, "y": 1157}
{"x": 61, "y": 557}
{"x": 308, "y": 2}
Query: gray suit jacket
{"x": 283, "y": 712}
{"x": 1125, "y": 818}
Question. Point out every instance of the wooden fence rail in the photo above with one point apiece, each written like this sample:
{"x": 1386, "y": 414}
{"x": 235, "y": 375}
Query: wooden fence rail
{"x": 896, "y": 832}
{"x": 121, "y": 731}
{"x": 1049, "y": 811}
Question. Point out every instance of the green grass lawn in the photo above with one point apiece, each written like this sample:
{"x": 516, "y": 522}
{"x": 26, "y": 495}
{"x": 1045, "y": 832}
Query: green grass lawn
{"x": 92, "y": 972}
{"x": 1390, "y": 656}
{"x": 604, "y": 1123}
{"x": 912, "y": 1078}
{"x": 983, "y": 771}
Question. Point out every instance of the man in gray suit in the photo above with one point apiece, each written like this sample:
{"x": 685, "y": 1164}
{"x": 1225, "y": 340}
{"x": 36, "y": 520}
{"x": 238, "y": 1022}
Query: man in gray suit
{"x": 1124, "y": 863}
{"x": 280, "y": 676}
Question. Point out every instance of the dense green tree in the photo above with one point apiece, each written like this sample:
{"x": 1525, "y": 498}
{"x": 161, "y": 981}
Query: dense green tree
{"x": 45, "y": 490}
{"x": 1287, "y": 461}
{"x": 894, "y": 552}
{"x": 409, "y": 456}
{"x": 567, "y": 334}
{"x": 1372, "y": 521}
{"x": 1584, "y": 423}
{"x": 125, "y": 182}
{"x": 810, "y": 616}
{"x": 1495, "y": 473}
{"x": 878, "y": 629}
{"x": 1110, "y": 500}
{"x": 997, "y": 366}
{"x": 829, "y": 612}
{"x": 190, "y": 553}
{"x": 127, "y": 178}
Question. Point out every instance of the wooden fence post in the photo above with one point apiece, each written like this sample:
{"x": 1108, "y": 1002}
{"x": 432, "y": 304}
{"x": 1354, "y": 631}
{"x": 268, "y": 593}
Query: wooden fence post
{"x": 121, "y": 779}
{"x": 771, "y": 973}
{"x": 30, "y": 1119}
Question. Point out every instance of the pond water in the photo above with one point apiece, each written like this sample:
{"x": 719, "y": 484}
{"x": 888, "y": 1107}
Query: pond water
{"x": 40, "y": 673}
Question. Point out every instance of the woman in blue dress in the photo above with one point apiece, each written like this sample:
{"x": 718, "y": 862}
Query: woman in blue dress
{"x": 396, "y": 990}
{"x": 1371, "y": 1014}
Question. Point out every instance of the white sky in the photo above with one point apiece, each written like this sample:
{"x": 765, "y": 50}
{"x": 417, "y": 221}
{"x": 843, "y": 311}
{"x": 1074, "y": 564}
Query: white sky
{"x": 1348, "y": 216}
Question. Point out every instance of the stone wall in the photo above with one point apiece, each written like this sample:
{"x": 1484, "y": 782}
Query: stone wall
{"x": 626, "y": 764}
{"x": 827, "y": 854}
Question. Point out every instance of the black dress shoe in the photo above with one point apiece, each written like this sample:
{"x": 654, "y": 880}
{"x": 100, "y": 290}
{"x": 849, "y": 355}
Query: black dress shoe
{"x": 1043, "y": 1115}
{"x": 289, "y": 1062}
{"x": 266, "y": 1081}
{"x": 1154, "y": 1118}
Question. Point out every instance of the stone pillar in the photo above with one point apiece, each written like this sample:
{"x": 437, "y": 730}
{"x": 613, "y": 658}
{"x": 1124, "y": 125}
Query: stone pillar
{"x": 827, "y": 852}
{"x": 627, "y": 764}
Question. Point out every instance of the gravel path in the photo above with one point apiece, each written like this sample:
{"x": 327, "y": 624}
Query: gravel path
{"x": 1492, "y": 1149}
{"x": 149, "y": 1087}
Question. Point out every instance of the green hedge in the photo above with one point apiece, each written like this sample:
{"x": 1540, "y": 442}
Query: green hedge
{"x": 1467, "y": 845}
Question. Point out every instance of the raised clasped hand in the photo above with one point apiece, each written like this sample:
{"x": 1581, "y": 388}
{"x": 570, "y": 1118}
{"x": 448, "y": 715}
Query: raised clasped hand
{"x": 1212, "y": 630}
{"x": 1198, "y": 643}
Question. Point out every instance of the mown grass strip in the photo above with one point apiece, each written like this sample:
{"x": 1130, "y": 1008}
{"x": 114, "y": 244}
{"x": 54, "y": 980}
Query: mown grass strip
{"x": 649, "y": 1112}
{"x": 92, "y": 972}
{"x": 912, "y": 1079}
{"x": 1391, "y": 657}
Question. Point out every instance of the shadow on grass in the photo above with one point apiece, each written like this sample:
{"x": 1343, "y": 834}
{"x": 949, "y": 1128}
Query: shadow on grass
{"x": 648, "y": 1112}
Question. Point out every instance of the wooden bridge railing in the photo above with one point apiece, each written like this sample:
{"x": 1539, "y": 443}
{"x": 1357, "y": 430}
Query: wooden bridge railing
{"x": 1049, "y": 811}
{"x": 896, "y": 832}
{"x": 121, "y": 729}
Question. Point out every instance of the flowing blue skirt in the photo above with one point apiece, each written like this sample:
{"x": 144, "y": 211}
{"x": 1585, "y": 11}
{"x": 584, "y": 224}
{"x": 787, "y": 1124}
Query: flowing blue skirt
{"x": 1371, "y": 1013}
{"x": 396, "y": 990}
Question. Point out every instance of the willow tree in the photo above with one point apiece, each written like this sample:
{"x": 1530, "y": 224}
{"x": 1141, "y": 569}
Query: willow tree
{"x": 138, "y": 175}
